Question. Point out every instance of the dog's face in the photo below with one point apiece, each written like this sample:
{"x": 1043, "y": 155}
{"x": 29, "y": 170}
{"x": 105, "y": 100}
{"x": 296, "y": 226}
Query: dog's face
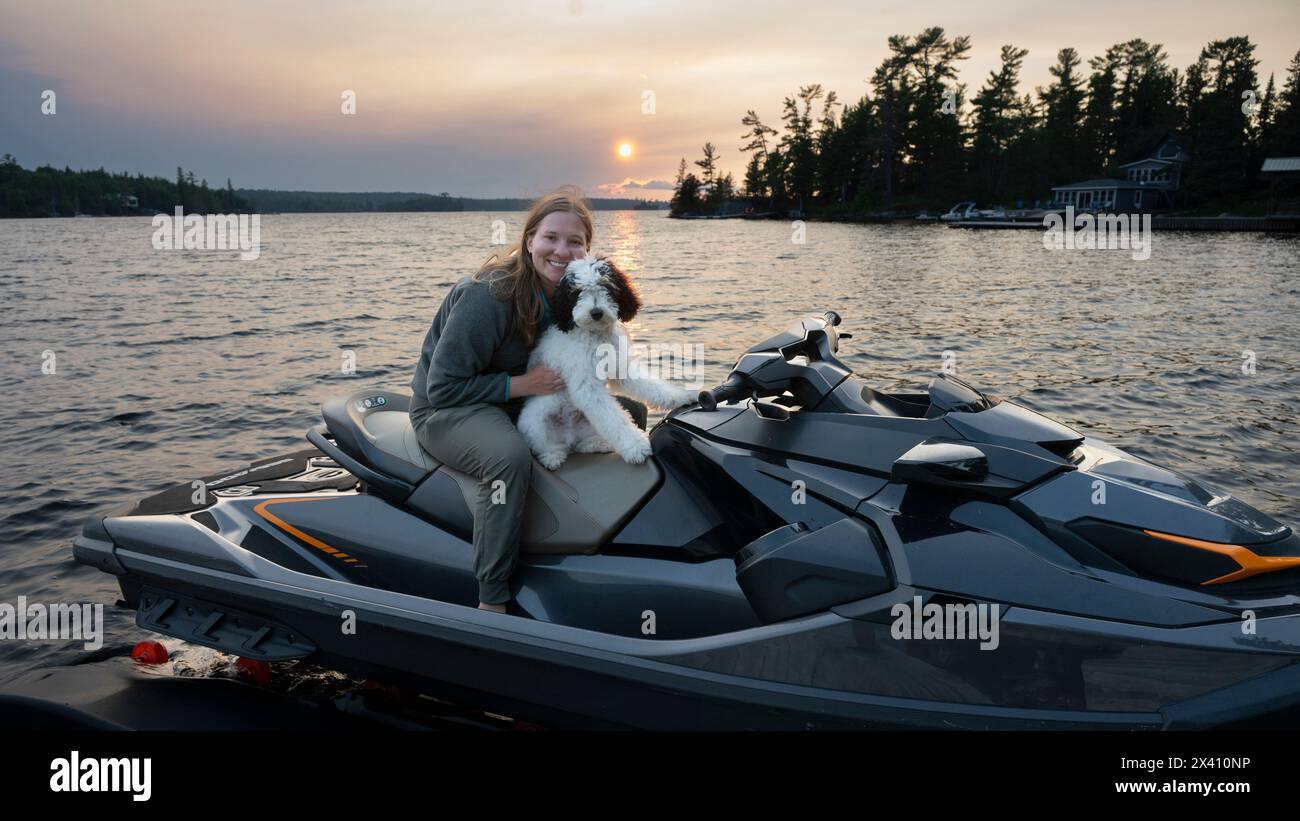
{"x": 593, "y": 294}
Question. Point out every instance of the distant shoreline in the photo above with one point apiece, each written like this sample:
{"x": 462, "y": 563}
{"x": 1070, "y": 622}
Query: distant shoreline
{"x": 144, "y": 215}
{"x": 338, "y": 202}
{"x": 49, "y": 192}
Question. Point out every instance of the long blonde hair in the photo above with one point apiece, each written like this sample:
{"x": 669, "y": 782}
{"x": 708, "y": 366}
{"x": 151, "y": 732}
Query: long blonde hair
{"x": 515, "y": 277}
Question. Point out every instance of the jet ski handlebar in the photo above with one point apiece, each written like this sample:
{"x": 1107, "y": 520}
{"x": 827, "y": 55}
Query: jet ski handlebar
{"x": 805, "y": 351}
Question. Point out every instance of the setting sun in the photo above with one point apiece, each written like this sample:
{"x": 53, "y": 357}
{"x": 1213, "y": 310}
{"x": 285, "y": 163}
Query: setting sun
{"x": 625, "y": 149}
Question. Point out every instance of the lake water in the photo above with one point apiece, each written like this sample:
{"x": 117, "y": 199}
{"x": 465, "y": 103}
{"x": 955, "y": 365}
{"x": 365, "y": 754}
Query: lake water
{"x": 173, "y": 364}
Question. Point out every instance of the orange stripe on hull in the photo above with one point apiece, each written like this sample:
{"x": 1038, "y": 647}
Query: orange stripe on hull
{"x": 261, "y": 510}
{"x": 1251, "y": 563}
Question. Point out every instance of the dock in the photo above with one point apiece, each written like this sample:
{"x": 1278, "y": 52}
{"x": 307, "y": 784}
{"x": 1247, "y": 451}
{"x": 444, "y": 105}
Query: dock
{"x": 1276, "y": 223}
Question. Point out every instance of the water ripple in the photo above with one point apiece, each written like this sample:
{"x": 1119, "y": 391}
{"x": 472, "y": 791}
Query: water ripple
{"x": 174, "y": 365}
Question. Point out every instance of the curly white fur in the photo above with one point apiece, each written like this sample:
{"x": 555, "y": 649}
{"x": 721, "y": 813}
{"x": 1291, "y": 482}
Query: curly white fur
{"x": 590, "y": 350}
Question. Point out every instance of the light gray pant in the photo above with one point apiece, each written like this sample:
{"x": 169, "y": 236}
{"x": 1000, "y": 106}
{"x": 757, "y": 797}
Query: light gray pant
{"x": 480, "y": 440}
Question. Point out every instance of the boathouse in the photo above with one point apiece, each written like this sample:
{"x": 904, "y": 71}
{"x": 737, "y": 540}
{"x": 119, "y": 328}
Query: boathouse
{"x": 1283, "y": 175}
{"x": 1148, "y": 184}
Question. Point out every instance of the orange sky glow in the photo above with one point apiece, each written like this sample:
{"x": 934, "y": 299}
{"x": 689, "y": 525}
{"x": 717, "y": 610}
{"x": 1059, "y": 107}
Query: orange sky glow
{"x": 504, "y": 101}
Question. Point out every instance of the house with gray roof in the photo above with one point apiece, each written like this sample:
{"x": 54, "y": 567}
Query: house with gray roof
{"x": 1283, "y": 175}
{"x": 1148, "y": 184}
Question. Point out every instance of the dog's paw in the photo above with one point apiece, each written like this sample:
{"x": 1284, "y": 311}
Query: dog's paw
{"x": 593, "y": 444}
{"x": 636, "y": 451}
{"x": 687, "y": 398}
{"x": 552, "y": 459}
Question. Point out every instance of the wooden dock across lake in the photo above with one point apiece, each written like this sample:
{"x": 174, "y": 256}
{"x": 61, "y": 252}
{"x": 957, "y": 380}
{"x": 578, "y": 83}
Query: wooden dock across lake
{"x": 1289, "y": 224}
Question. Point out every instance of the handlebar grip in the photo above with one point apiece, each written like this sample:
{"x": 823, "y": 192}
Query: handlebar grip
{"x": 733, "y": 388}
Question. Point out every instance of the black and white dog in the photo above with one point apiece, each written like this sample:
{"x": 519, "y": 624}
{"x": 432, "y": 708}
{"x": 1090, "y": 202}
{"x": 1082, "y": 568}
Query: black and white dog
{"x": 589, "y": 348}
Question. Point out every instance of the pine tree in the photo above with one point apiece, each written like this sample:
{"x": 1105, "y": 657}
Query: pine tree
{"x": 756, "y": 183}
{"x": 709, "y": 165}
{"x": 755, "y": 186}
{"x": 686, "y": 199}
{"x": 999, "y": 120}
{"x": 893, "y": 103}
{"x": 1099, "y": 120}
{"x": 932, "y": 131}
{"x": 797, "y": 144}
{"x": 1224, "y": 75}
{"x": 1063, "y": 110}
{"x": 1285, "y": 139}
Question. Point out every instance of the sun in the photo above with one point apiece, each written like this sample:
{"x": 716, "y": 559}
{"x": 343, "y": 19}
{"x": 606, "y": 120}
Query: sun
{"x": 625, "y": 149}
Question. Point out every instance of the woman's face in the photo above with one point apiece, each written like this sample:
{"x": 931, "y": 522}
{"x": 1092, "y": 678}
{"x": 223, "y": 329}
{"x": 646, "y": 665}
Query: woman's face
{"x": 559, "y": 239}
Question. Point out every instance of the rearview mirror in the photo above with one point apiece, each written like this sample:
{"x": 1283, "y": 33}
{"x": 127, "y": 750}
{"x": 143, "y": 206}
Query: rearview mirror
{"x": 941, "y": 463}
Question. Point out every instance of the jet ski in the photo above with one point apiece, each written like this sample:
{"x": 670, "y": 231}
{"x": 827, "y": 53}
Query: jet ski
{"x": 801, "y": 551}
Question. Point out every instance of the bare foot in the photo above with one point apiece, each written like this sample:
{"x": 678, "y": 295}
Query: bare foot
{"x": 495, "y": 608}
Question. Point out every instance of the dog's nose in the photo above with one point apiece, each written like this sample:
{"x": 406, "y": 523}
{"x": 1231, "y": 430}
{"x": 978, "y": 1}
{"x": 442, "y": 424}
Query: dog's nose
{"x": 597, "y": 313}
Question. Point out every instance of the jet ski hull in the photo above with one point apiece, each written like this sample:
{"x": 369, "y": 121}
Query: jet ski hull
{"x": 832, "y": 670}
{"x": 837, "y": 558}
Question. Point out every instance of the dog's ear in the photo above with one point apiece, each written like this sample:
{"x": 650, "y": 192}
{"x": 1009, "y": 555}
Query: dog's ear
{"x": 625, "y": 295}
{"x": 565, "y": 297}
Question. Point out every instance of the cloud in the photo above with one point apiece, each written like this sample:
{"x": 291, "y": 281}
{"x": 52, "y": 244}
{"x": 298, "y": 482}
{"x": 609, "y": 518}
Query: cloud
{"x": 256, "y": 96}
{"x": 630, "y": 187}
{"x": 660, "y": 184}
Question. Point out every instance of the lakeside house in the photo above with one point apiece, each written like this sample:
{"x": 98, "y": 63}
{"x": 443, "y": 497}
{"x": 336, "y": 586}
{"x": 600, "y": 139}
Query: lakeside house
{"x": 1148, "y": 186}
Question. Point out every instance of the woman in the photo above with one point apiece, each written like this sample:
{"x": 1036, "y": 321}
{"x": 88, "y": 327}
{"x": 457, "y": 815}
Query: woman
{"x": 471, "y": 378}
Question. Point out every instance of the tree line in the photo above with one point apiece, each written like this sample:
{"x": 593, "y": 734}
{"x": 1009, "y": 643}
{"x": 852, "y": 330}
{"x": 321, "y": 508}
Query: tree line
{"x": 915, "y": 141}
{"x": 301, "y": 202}
{"x": 50, "y": 192}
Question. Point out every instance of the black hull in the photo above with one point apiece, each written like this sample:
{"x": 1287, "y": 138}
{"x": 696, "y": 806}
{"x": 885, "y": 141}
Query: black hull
{"x": 488, "y": 669}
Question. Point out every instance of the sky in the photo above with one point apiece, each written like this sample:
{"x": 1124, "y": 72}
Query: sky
{"x": 500, "y": 98}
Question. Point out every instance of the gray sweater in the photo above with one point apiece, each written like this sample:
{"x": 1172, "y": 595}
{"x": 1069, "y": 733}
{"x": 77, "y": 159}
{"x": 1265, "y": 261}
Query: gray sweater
{"x": 468, "y": 352}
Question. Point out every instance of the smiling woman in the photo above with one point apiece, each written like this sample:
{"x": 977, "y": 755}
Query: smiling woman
{"x": 559, "y": 239}
{"x": 470, "y": 379}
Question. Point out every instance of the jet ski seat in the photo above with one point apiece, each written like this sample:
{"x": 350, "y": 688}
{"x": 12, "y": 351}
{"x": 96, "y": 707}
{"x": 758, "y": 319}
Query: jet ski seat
{"x": 575, "y": 509}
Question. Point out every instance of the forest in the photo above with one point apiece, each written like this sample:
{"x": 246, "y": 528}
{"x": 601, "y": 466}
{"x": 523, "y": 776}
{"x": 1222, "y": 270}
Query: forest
{"x": 50, "y": 192}
{"x": 918, "y": 140}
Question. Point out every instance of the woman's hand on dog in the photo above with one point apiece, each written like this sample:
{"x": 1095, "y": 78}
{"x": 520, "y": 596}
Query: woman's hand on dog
{"x": 537, "y": 382}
